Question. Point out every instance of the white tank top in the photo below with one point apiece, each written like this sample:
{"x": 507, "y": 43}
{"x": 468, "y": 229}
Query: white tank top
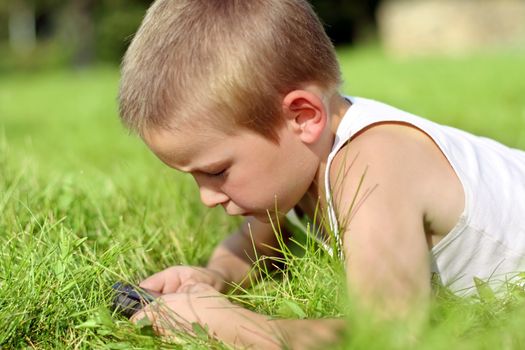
{"x": 488, "y": 241}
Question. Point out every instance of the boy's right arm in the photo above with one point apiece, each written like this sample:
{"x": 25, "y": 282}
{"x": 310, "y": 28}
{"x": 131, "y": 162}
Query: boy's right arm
{"x": 231, "y": 262}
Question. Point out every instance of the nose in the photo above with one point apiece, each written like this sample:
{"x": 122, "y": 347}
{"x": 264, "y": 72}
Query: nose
{"x": 211, "y": 197}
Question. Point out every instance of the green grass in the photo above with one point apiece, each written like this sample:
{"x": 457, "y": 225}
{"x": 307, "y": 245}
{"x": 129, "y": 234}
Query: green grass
{"x": 83, "y": 204}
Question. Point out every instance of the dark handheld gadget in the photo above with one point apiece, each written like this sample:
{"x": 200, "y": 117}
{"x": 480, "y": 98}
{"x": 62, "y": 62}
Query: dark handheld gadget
{"x": 129, "y": 299}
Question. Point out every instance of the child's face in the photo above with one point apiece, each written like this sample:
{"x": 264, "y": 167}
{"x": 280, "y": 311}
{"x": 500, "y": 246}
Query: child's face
{"x": 245, "y": 173}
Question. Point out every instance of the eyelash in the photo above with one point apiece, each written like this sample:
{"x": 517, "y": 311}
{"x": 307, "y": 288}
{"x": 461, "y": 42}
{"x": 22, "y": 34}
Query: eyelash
{"x": 217, "y": 174}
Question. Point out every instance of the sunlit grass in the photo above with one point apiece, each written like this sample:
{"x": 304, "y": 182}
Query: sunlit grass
{"x": 83, "y": 204}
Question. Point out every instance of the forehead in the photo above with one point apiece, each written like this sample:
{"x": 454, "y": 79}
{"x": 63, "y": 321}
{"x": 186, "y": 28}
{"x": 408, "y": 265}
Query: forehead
{"x": 181, "y": 148}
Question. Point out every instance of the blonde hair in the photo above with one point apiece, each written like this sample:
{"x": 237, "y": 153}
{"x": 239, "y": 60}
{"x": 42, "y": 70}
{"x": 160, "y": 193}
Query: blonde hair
{"x": 222, "y": 61}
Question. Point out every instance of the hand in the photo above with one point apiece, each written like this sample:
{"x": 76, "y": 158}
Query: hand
{"x": 201, "y": 304}
{"x": 172, "y": 279}
{"x": 196, "y": 303}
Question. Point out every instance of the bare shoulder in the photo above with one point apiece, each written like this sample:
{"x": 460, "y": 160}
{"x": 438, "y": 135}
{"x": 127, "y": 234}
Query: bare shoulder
{"x": 387, "y": 143}
{"x": 403, "y": 165}
{"x": 387, "y": 183}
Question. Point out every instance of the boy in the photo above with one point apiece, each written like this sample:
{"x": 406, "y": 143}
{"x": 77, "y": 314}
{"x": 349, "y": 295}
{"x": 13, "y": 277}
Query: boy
{"x": 243, "y": 95}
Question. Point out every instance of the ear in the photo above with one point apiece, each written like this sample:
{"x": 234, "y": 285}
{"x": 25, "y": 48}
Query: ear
{"x": 305, "y": 114}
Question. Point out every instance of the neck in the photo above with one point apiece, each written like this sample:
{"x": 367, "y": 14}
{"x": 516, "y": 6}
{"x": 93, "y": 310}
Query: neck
{"x": 336, "y": 109}
{"x": 338, "y": 106}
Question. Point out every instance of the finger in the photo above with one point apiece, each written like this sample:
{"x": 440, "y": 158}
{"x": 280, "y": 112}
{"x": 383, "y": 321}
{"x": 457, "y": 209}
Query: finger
{"x": 155, "y": 282}
{"x": 137, "y": 316}
{"x": 163, "y": 319}
{"x": 144, "y": 317}
{"x": 166, "y": 281}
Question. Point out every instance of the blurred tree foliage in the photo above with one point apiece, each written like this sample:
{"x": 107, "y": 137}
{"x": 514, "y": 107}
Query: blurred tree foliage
{"x": 79, "y": 32}
{"x": 117, "y": 21}
{"x": 347, "y": 21}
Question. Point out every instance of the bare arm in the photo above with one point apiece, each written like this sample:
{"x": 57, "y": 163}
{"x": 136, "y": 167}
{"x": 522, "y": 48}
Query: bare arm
{"x": 394, "y": 177}
{"x": 255, "y": 331}
{"x": 236, "y": 326}
{"x": 234, "y": 257}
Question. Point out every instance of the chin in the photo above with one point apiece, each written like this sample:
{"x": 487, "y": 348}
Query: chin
{"x": 269, "y": 217}
{"x": 262, "y": 218}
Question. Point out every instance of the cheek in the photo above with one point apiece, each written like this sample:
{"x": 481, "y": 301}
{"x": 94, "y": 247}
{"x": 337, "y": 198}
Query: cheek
{"x": 297, "y": 179}
{"x": 252, "y": 189}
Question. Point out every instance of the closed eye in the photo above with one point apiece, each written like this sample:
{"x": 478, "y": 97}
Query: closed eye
{"x": 217, "y": 169}
{"x": 217, "y": 173}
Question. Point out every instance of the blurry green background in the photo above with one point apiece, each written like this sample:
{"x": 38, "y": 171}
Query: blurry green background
{"x": 43, "y": 33}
